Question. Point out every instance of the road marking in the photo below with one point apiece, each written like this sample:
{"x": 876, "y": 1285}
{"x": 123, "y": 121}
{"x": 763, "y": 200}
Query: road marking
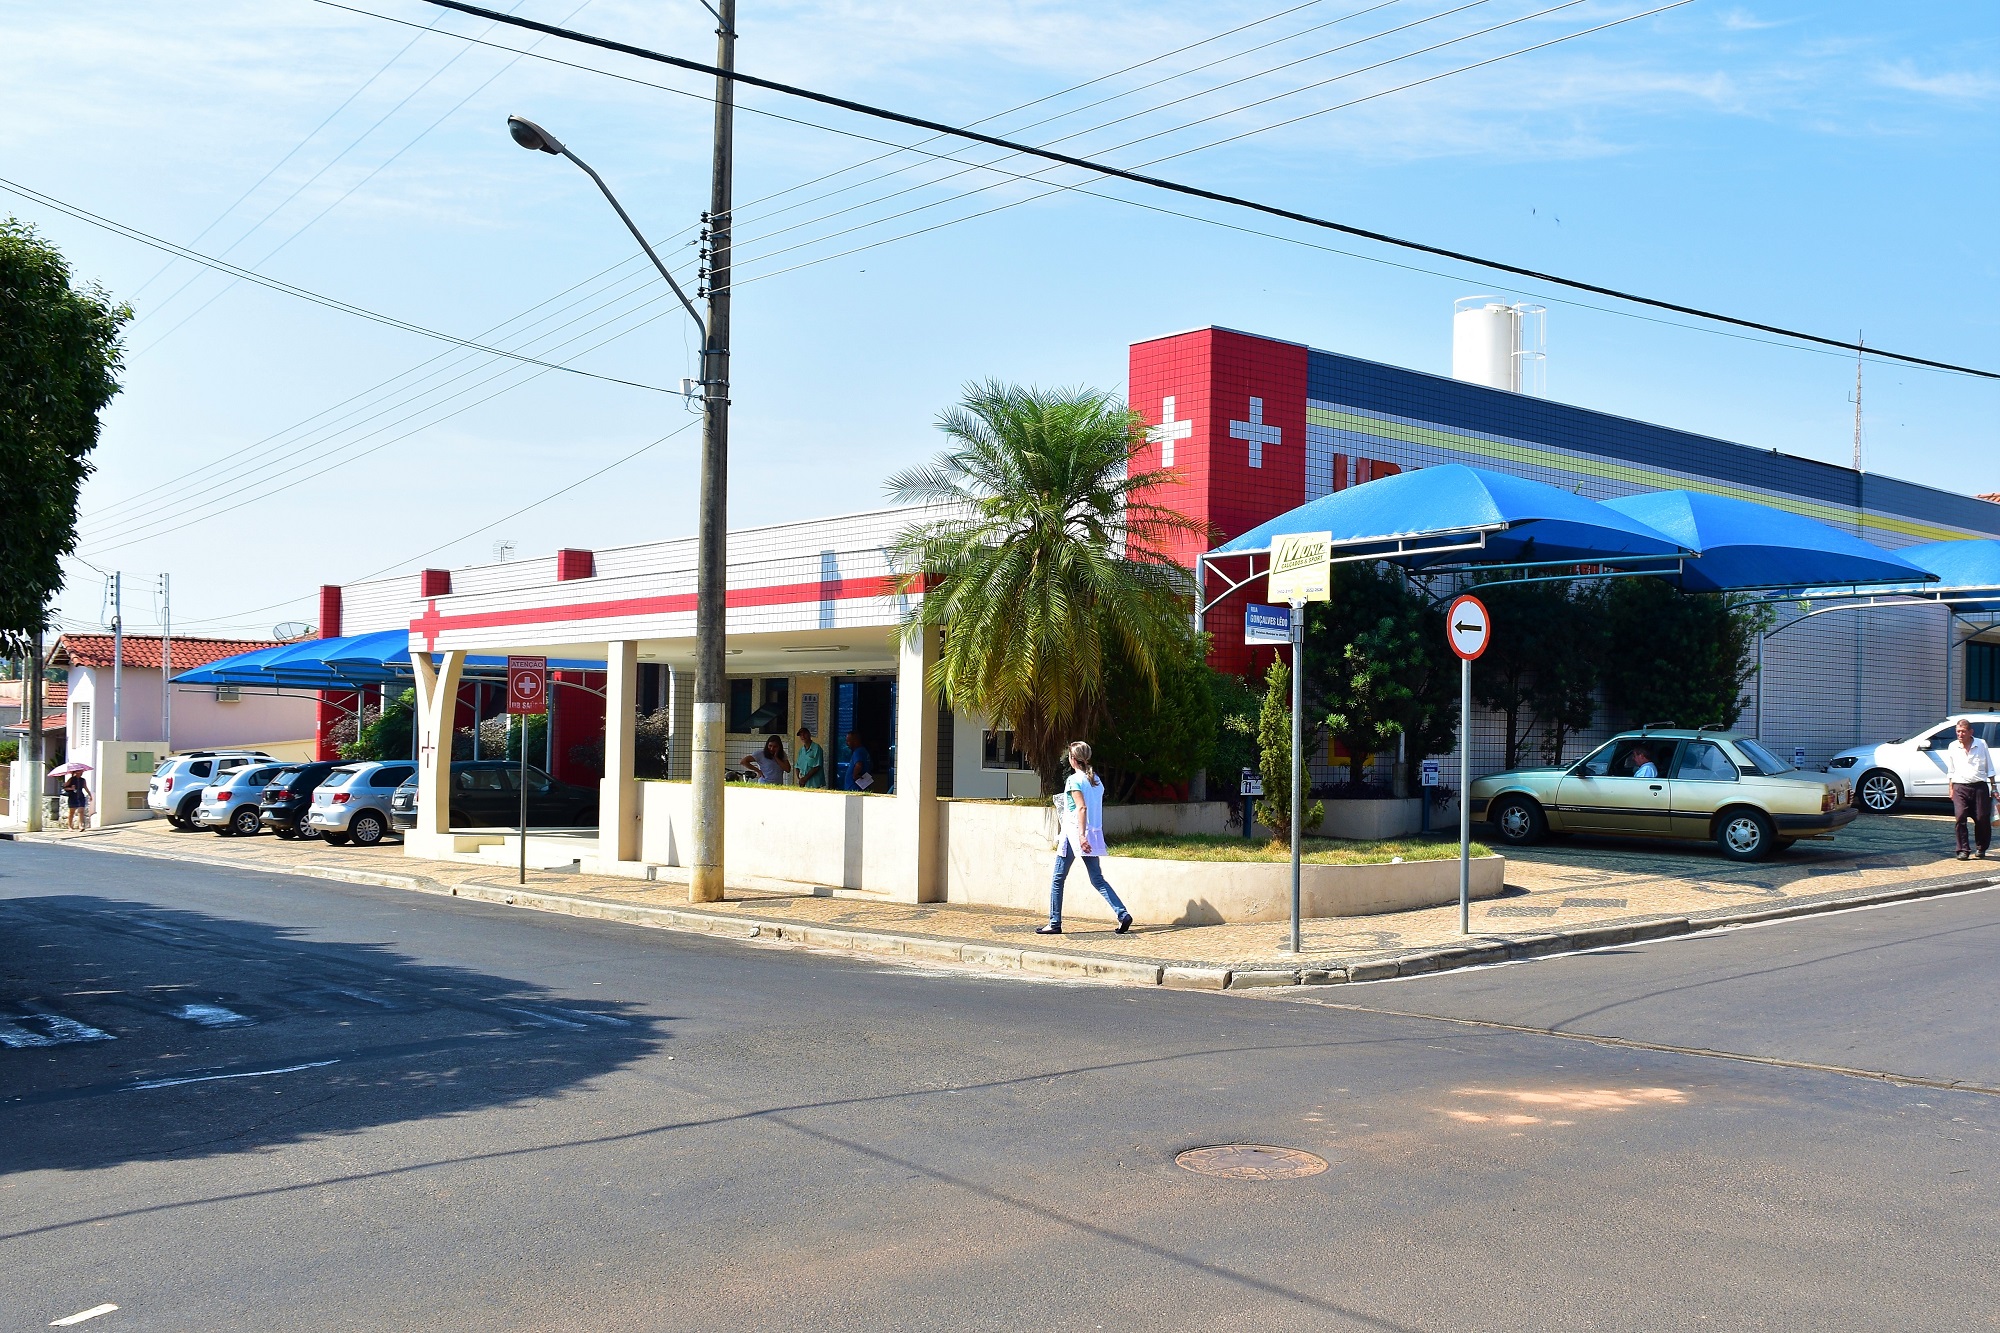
{"x": 60, "y": 1031}
{"x": 210, "y": 1078}
{"x": 210, "y": 1015}
{"x": 82, "y": 1315}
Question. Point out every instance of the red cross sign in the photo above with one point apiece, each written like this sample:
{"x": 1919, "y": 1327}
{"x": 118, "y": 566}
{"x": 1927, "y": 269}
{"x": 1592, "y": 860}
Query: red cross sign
{"x": 527, "y": 684}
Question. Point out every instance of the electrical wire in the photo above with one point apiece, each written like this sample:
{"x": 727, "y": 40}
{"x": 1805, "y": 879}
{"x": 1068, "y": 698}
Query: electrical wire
{"x": 1195, "y": 191}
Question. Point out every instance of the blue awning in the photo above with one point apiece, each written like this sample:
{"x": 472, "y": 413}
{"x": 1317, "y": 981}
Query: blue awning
{"x": 1963, "y": 569}
{"x": 1745, "y": 545}
{"x": 1458, "y": 514}
{"x": 381, "y": 658}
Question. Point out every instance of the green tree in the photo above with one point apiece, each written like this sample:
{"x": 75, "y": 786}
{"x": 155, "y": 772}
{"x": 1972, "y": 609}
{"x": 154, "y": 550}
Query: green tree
{"x": 1678, "y": 657}
{"x": 1163, "y": 734}
{"x": 1565, "y": 690}
{"x": 388, "y": 734}
{"x": 59, "y": 363}
{"x": 1274, "y": 744}
{"x": 1042, "y": 560}
{"x": 1542, "y": 668}
{"x": 1237, "y": 707}
{"x": 1377, "y": 666}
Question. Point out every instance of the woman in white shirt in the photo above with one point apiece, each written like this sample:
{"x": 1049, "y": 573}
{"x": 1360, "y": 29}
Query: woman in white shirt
{"x": 1081, "y": 817}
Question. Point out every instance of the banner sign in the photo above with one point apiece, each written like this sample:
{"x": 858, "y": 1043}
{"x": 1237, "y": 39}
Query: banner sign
{"x": 1267, "y": 624}
{"x": 1301, "y": 567}
{"x": 527, "y": 684}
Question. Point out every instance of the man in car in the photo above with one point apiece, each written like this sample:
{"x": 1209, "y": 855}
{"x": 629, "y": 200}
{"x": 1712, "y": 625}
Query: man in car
{"x": 1969, "y": 768}
{"x": 1642, "y": 763}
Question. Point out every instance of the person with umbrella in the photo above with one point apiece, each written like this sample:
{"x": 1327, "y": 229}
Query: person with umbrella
{"x": 76, "y": 793}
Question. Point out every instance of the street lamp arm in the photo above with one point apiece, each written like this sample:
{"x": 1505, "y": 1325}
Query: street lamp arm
{"x": 640, "y": 236}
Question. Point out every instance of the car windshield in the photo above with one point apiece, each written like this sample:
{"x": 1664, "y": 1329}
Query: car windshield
{"x": 254, "y": 777}
{"x": 337, "y": 779}
{"x": 1767, "y": 764}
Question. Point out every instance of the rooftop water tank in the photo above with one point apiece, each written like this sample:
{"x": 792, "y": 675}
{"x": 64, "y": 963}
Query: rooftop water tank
{"x": 1497, "y": 344}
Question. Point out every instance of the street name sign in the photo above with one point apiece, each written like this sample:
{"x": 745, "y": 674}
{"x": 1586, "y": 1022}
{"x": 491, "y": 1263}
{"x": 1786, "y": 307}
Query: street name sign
{"x": 1267, "y": 624}
{"x": 527, "y": 684}
{"x": 1301, "y": 567}
{"x": 1467, "y": 626}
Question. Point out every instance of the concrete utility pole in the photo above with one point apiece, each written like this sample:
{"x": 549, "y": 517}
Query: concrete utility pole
{"x": 117, "y": 654}
{"x": 166, "y": 664}
{"x": 37, "y": 755}
{"x": 711, "y": 683}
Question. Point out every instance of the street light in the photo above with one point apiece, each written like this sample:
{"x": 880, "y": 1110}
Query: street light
{"x": 711, "y": 555}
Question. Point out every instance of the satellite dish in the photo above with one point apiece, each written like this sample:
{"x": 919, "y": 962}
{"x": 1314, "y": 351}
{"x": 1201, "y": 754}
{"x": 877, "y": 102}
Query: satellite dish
{"x": 293, "y": 630}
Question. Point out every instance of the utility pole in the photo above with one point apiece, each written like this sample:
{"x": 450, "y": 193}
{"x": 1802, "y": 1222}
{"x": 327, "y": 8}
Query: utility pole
{"x": 37, "y": 756}
{"x": 166, "y": 665}
{"x": 117, "y": 653}
{"x": 712, "y": 542}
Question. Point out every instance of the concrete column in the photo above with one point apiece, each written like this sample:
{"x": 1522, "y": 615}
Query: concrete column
{"x": 916, "y": 772}
{"x": 618, "y": 791}
{"x": 437, "y": 712}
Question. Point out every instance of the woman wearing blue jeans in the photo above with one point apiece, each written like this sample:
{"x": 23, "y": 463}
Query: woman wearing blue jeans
{"x": 1081, "y": 816}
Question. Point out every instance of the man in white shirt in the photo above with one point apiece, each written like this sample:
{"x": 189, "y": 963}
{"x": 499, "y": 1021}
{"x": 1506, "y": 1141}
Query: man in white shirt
{"x": 1969, "y": 767}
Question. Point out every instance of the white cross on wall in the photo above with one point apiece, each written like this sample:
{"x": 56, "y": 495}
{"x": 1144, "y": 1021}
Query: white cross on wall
{"x": 1168, "y": 431}
{"x": 1255, "y": 431}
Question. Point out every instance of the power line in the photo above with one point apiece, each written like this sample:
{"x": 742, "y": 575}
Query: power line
{"x": 1194, "y": 191}
{"x": 288, "y": 289}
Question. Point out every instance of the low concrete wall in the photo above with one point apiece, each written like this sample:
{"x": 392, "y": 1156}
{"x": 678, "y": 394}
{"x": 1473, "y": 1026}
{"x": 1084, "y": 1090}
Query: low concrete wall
{"x": 118, "y": 781}
{"x": 1001, "y": 856}
{"x": 845, "y": 840}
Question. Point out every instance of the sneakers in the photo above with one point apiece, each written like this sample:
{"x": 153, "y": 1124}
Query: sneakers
{"x": 1965, "y": 856}
{"x": 1124, "y": 924}
{"x": 1048, "y": 930}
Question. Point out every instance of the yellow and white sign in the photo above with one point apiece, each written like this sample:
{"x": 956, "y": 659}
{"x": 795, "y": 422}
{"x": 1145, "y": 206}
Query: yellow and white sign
{"x": 1301, "y": 567}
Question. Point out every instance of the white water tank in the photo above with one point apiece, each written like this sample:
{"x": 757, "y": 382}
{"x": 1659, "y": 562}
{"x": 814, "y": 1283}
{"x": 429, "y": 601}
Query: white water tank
{"x": 1485, "y": 335}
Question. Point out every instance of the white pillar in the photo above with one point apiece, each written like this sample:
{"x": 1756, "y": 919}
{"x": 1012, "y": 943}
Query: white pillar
{"x": 618, "y": 790}
{"x": 437, "y": 710}
{"x": 916, "y": 772}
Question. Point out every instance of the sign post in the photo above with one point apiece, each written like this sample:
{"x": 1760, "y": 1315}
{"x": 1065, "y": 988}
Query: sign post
{"x": 1432, "y": 775}
{"x": 1468, "y": 628}
{"x": 1301, "y": 572}
{"x": 527, "y": 696}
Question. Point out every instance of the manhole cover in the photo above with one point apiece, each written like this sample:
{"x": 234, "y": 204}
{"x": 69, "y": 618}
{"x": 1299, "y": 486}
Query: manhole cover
{"x": 1250, "y": 1161}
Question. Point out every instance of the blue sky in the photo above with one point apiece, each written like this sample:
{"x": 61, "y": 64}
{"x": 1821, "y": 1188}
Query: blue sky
{"x": 1825, "y": 166}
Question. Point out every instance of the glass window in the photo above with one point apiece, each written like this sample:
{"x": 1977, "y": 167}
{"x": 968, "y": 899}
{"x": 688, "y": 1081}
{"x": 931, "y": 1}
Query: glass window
{"x": 392, "y": 776}
{"x": 256, "y": 776}
{"x": 200, "y": 768}
{"x": 1942, "y": 737}
{"x": 1761, "y": 759}
{"x": 482, "y": 779}
{"x": 998, "y": 751}
{"x": 337, "y": 778}
{"x": 537, "y": 780}
{"x": 769, "y": 719}
{"x": 742, "y": 703}
{"x": 1626, "y": 756}
{"x": 1704, "y": 761}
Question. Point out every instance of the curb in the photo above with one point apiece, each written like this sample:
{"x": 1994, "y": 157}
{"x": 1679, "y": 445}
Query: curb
{"x": 1474, "y": 952}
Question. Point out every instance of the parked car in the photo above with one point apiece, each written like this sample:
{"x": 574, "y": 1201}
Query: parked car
{"x": 1703, "y": 785}
{"x": 486, "y": 793}
{"x": 285, "y": 802}
{"x": 175, "y": 788}
{"x": 229, "y": 803}
{"x": 403, "y": 806}
{"x": 1885, "y": 775}
{"x": 352, "y": 802}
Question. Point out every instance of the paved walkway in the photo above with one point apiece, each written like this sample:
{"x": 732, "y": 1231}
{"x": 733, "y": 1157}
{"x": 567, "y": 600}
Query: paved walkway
{"x": 1572, "y": 894}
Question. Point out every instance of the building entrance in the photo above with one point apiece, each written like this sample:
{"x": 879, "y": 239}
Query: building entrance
{"x": 865, "y": 706}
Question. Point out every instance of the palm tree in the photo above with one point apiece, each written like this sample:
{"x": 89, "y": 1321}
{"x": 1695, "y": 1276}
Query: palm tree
{"x": 1040, "y": 558}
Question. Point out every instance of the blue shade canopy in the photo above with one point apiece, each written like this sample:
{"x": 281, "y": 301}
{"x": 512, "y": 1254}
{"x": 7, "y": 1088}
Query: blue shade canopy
{"x": 381, "y": 658}
{"x": 1411, "y": 517}
{"x": 1747, "y": 545}
{"x": 1972, "y": 563}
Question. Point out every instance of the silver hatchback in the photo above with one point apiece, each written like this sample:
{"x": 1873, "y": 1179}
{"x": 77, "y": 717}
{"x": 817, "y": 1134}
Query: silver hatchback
{"x": 229, "y": 803}
{"x": 352, "y": 802}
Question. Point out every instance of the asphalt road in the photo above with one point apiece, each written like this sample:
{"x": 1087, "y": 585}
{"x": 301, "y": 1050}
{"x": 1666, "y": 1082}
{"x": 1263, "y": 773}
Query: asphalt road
{"x": 231, "y": 1100}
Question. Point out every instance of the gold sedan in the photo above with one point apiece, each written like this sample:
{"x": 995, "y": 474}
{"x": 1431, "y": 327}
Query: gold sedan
{"x": 1706, "y": 786}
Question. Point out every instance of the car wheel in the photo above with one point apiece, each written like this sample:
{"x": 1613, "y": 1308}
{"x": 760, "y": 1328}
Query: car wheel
{"x": 184, "y": 817}
{"x": 1745, "y": 835}
{"x": 587, "y": 817}
{"x": 224, "y": 831}
{"x": 245, "y": 823}
{"x": 1880, "y": 791}
{"x": 332, "y": 839}
{"x": 1518, "y": 821}
{"x": 366, "y": 828}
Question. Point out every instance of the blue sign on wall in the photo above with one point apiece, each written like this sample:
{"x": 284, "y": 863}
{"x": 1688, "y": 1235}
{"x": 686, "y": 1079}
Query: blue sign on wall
{"x": 1267, "y": 624}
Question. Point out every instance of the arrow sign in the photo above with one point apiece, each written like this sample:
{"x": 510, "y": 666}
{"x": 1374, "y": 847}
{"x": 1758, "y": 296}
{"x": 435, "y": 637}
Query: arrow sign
{"x": 1467, "y": 626}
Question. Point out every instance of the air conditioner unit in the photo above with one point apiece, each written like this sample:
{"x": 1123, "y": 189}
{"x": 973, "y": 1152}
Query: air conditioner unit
{"x": 227, "y": 694}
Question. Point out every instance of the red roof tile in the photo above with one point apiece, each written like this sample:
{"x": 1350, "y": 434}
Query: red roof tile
{"x": 143, "y": 650}
{"x": 55, "y": 694}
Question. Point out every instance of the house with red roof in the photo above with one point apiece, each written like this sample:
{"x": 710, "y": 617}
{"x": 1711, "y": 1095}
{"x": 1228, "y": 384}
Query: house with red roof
{"x": 119, "y": 695}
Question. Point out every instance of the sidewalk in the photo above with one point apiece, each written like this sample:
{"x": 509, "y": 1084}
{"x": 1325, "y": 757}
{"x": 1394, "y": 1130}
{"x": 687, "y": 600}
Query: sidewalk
{"x": 1560, "y": 898}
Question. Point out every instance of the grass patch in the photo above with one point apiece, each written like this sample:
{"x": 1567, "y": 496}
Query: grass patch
{"x": 1318, "y": 851}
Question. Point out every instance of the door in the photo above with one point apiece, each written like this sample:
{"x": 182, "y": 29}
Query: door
{"x": 1926, "y": 775}
{"x": 1621, "y": 788}
{"x": 545, "y": 809}
{"x": 1704, "y": 781}
{"x": 483, "y": 796}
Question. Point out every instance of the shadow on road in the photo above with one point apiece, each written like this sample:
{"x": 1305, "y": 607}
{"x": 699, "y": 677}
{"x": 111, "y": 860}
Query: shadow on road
{"x": 130, "y": 1031}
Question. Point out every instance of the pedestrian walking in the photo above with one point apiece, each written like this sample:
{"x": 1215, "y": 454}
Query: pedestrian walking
{"x": 76, "y": 795}
{"x": 1969, "y": 768}
{"x": 769, "y": 764}
{"x": 811, "y": 763}
{"x": 1080, "y": 818}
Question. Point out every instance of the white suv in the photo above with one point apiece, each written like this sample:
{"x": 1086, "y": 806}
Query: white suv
{"x": 175, "y": 788}
{"x": 1885, "y": 775}
{"x": 352, "y": 802}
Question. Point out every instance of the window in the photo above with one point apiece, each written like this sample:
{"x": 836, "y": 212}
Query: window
{"x": 481, "y": 779}
{"x": 82, "y": 716}
{"x": 769, "y": 719}
{"x": 392, "y": 776}
{"x": 538, "y": 781}
{"x": 1622, "y": 758}
{"x": 201, "y": 768}
{"x": 337, "y": 778}
{"x": 742, "y": 702}
{"x": 1940, "y": 738}
{"x": 258, "y": 776}
{"x": 998, "y": 751}
{"x": 1762, "y": 761}
{"x": 1982, "y": 672}
{"x": 1704, "y": 761}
